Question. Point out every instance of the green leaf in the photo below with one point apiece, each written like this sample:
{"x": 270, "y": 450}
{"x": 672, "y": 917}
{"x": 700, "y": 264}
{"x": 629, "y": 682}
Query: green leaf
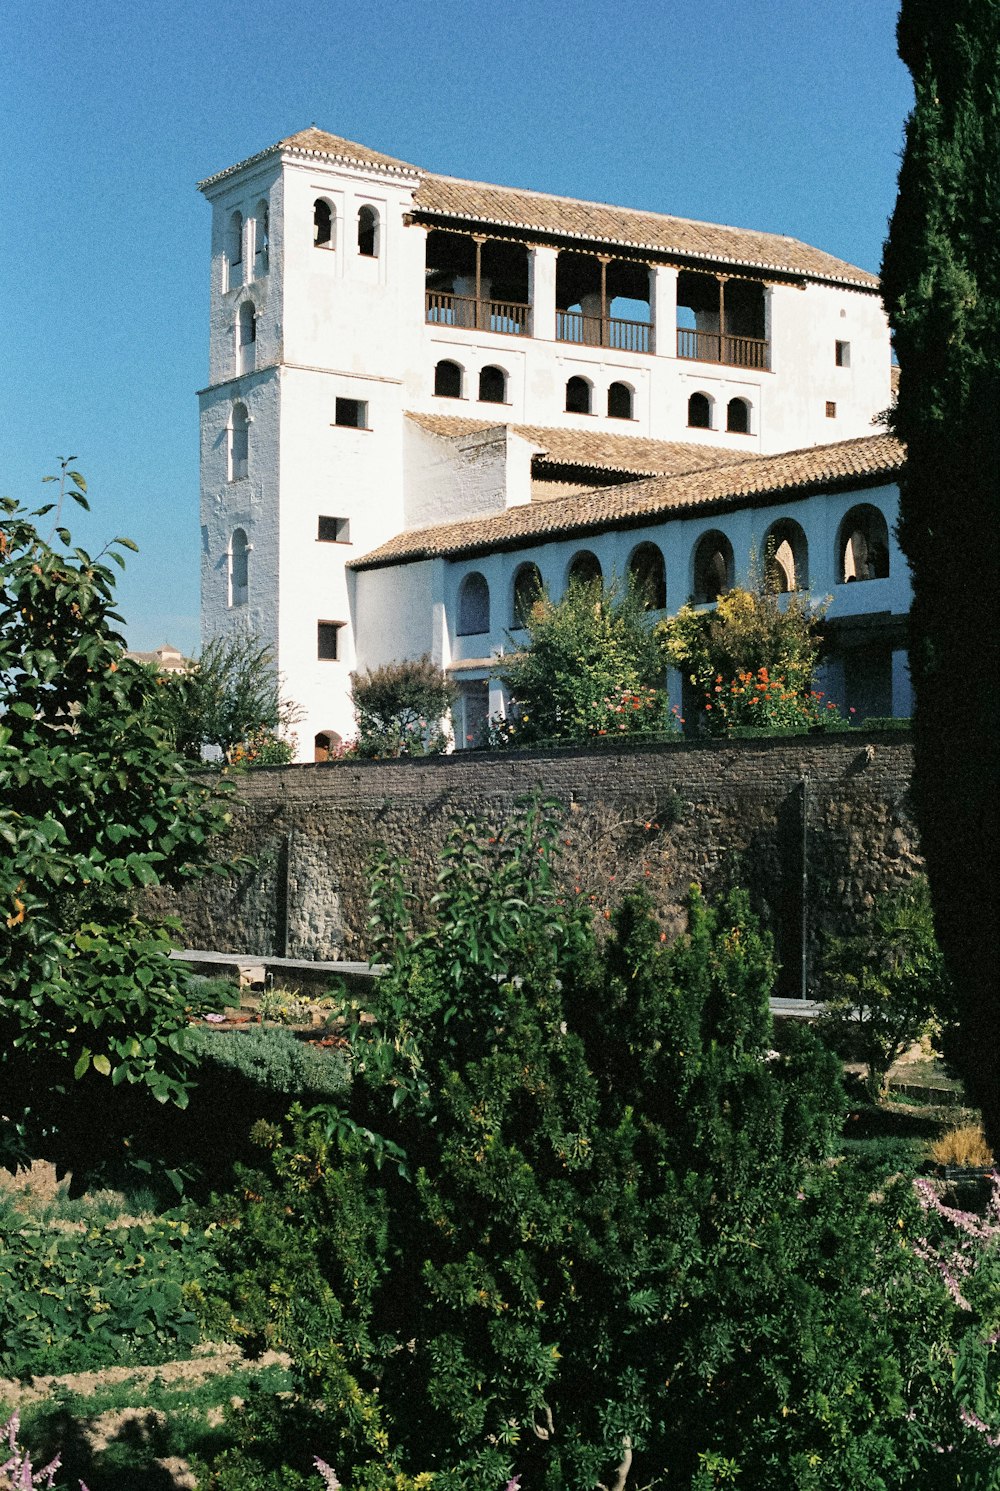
{"x": 102, "y": 1065}
{"x": 82, "y": 1064}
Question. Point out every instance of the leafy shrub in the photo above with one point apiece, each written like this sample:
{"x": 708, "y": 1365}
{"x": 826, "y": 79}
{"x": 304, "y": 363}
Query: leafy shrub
{"x": 274, "y": 1061}
{"x": 293, "y": 1007}
{"x": 884, "y": 985}
{"x": 74, "y": 1298}
{"x": 401, "y": 707}
{"x": 592, "y": 666}
{"x": 231, "y": 699}
{"x": 579, "y": 1220}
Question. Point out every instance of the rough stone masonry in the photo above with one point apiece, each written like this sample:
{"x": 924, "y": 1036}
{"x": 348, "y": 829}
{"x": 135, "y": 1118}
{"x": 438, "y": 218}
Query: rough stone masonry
{"x": 719, "y": 813}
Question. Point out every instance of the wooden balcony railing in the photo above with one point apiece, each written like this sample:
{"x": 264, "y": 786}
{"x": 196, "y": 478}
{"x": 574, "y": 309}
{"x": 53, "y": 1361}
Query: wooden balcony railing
{"x": 506, "y": 317}
{"x": 604, "y": 331}
{"x": 735, "y": 352}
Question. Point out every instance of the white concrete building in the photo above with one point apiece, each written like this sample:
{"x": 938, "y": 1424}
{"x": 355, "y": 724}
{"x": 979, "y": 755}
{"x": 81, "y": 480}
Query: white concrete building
{"x": 415, "y": 381}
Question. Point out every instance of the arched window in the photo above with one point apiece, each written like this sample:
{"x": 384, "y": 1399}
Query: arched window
{"x": 239, "y": 443}
{"x": 863, "y": 545}
{"x": 619, "y": 401}
{"x": 713, "y": 567}
{"x": 578, "y": 396}
{"x": 700, "y": 412}
{"x": 239, "y": 568}
{"x": 492, "y": 386}
{"x": 262, "y": 240}
{"x": 785, "y": 555}
{"x": 247, "y": 336}
{"x": 368, "y": 232}
{"x": 738, "y": 417}
{"x": 473, "y": 606}
{"x": 324, "y": 221}
{"x": 527, "y": 593}
{"x": 585, "y": 569}
{"x": 325, "y": 745}
{"x": 649, "y": 576}
{"x": 448, "y": 380}
{"x": 234, "y": 250}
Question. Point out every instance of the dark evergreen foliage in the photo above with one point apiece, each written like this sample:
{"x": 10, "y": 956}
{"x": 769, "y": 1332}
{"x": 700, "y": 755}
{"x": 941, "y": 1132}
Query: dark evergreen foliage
{"x": 941, "y": 280}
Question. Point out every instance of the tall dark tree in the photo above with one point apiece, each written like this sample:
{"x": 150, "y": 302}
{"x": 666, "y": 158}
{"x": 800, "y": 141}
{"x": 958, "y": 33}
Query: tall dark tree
{"x": 941, "y": 281}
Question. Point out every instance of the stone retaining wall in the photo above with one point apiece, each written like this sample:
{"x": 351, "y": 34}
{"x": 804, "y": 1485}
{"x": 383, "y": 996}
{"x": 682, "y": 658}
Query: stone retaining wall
{"x": 662, "y": 817}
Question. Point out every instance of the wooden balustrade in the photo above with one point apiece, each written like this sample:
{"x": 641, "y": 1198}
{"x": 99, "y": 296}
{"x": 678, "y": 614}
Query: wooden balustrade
{"x": 733, "y": 351}
{"x": 604, "y": 331}
{"x": 504, "y": 317}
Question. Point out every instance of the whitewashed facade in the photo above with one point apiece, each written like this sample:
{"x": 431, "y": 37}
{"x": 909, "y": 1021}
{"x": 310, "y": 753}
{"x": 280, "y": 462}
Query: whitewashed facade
{"x": 356, "y": 300}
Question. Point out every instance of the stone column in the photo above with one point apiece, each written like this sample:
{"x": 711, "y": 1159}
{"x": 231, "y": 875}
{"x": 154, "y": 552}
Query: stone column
{"x": 542, "y": 292}
{"x": 663, "y": 309}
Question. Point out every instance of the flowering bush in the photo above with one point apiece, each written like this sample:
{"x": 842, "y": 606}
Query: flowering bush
{"x": 764, "y": 701}
{"x": 263, "y": 748}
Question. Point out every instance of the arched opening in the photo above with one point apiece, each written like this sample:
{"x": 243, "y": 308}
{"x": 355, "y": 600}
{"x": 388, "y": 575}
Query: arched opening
{"x": 239, "y": 443}
{"x": 234, "y": 250}
{"x": 239, "y": 568}
{"x": 323, "y": 224}
{"x": 578, "y": 396}
{"x": 649, "y": 576}
{"x": 325, "y": 744}
{"x": 473, "y": 606}
{"x": 721, "y": 319}
{"x": 619, "y": 401}
{"x": 262, "y": 239}
{"x": 713, "y": 567}
{"x": 480, "y": 283}
{"x": 785, "y": 556}
{"x": 863, "y": 545}
{"x": 492, "y": 386}
{"x": 527, "y": 592}
{"x": 247, "y": 337}
{"x": 738, "y": 417}
{"x": 448, "y": 380}
{"x": 368, "y": 234}
{"x": 700, "y": 412}
{"x": 603, "y": 302}
{"x": 585, "y": 569}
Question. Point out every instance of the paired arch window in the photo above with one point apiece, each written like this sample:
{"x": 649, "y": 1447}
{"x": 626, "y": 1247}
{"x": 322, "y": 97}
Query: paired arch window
{"x": 368, "y": 232}
{"x": 239, "y": 443}
{"x": 620, "y": 401}
{"x": 473, "y": 606}
{"x": 585, "y": 569}
{"x": 492, "y": 386}
{"x": 448, "y": 380}
{"x": 578, "y": 392}
{"x": 863, "y": 545}
{"x": 324, "y": 224}
{"x": 239, "y": 569}
{"x": 700, "y": 412}
{"x": 738, "y": 417}
{"x": 649, "y": 576}
{"x": 786, "y": 558}
{"x": 713, "y": 567}
{"x": 527, "y": 593}
{"x": 234, "y": 250}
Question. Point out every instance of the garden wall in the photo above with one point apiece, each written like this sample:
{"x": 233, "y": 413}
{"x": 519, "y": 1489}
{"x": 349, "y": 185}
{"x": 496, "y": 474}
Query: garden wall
{"x": 664, "y": 816}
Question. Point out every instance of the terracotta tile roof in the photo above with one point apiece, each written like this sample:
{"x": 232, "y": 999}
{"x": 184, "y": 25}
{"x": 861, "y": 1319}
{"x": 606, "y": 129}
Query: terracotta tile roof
{"x": 503, "y": 206}
{"x": 591, "y": 450}
{"x": 313, "y": 141}
{"x": 850, "y": 463}
{"x": 447, "y": 197}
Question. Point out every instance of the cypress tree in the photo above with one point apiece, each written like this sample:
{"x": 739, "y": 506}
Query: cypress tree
{"x": 941, "y": 282}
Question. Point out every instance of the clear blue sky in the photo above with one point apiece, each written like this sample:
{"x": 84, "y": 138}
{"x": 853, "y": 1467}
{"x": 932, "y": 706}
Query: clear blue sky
{"x": 784, "y": 115}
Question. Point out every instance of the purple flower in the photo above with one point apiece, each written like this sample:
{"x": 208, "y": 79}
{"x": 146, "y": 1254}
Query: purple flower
{"x": 328, "y": 1473}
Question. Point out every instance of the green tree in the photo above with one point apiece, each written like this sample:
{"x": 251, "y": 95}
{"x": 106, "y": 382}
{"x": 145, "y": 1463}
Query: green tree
{"x": 593, "y": 666}
{"x": 401, "y": 707}
{"x": 885, "y": 986}
{"x": 231, "y": 699}
{"x": 941, "y": 282}
{"x": 94, "y": 809}
{"x": 749, "y": 660}
{"x": 579, "y": 1221}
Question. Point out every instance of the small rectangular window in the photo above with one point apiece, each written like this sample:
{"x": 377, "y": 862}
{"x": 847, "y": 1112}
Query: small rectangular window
{"x": 334, "y": 531}
{"x": 328, "y": 640}
{"x": 842, "y": 354}
{"x": 353, "y": 413}
{"x": 831, "y": 409}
